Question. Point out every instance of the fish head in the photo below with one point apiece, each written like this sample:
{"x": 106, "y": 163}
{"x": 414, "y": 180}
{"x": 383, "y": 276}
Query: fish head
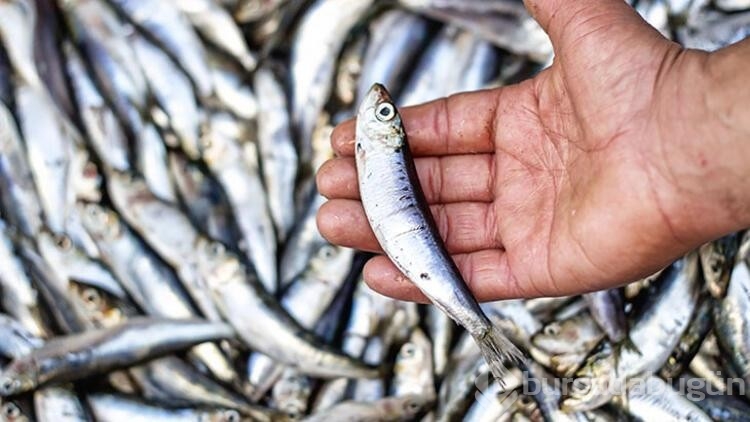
{"x": 229, "y": 415}
{"x": 596, "y": 383}
{"x": 10, "y": 411}
{"x": 99, "y": 306}
{"x": 576, "y": 334}
{"x": 379, "y": 126}
{"x": 410, "y": 406}
{"x": 18, "y": 377}
{"x": 101, "y": 223}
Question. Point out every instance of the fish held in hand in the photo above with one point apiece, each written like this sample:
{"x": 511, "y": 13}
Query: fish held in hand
{"x": 404, "y": 227}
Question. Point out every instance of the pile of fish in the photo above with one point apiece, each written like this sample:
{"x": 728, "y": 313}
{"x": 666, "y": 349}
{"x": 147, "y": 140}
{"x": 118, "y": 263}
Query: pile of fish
{"x": 159, "y": 256}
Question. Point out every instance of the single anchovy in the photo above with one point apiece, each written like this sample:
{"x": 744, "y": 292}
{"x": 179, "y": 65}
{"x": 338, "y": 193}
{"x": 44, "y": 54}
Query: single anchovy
{"x": 562, "y": 345}
{"x": 109, "y": 407}
{"x": 404, "y": 408}
{"x": 103, "y": 40}
{"x": 397, "y": 38}
{"x": 277, "y": 151}
{"x": 72, "y": 357}
{"x": 19, "y": 298}
{"x": 163, "y": 24}
{"x": 173, "y": 93}
{"x": 244, "y": 188}
{"x": 730, "y": 317}
{"x": 152, "y": 164}
{"x": 204, "y": 199}
{"x": 216, "y": 25}
{"x": 717, "y": 261}
{"x": 316, "y": 44}
{"x": 15, "y": 339}
{"x": 303, "y": 242}
{"x": 506, "y": 23}
{"x": 262, "y": 323}
{"x": 607, "y": 309}
{"x": 17, "y": 23}
{"x": 397, "y": 211}
{"x": 100, "y": 123}
{"x": 17, "y": 188}
{"x": 49, "y": 145}
{"x": 233, "y": 93}
{"x": 652, "y": 399}
{"x": 412, "y": 372}
{"x": 690, "y": 342}
{"x": 59, "y": 404}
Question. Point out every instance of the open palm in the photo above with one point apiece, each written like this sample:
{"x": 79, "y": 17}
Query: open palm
{"x": 562, "y": 184}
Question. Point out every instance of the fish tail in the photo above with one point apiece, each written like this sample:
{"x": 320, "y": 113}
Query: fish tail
{"x": 498, "y": 351}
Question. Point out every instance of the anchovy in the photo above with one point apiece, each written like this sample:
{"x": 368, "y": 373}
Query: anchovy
{"x": 16, "y": 340}
{"x": 232, "y": 92}
{"x": 217, "y": 26}
{"x": 17, "y": 23}
{"x": 653, "y": 399}
{"x": 17, "y": 188}
{"x": 312, "y": 62}
{"x": 607, "y": 309}
{"x": 387, "y": 409}
{"x": 173, "y": 93}
{"x": 109, "y": 407}
{"x": 77, "y": 356}
{"x": 691, "y": 340}
{"x": 717, "y": 261}
{"x": 262, "y": 323}
{"x": 59, "y": 404}
{"x": 152, "y": 163}
{"x": 163, "y": 24}
{"x": 412, "y": 373}
{"x": 397, "y": 211}
{"x": 277, "y": 152}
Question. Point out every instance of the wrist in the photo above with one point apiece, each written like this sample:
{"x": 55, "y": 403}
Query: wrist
{"x": 703, "y": 128}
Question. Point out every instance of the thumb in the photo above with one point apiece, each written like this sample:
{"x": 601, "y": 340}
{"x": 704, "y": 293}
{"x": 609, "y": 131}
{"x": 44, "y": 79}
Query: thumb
{"x": 566, "y": 21}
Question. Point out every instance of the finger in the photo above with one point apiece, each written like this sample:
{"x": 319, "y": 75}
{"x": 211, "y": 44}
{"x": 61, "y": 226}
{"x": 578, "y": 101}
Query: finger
{"x": 564, "y": 20}
{"x": 485, "y": 272}
{"x": 465, "y": 226}
{"x": 458, "y": 178}
{"x": 460, "y": 124}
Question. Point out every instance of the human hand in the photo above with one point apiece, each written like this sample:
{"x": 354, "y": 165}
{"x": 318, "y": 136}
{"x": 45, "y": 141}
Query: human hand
{"x": 595, "y": 173}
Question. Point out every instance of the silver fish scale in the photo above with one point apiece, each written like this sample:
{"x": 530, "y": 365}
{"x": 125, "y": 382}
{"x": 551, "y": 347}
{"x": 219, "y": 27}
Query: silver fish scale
{"x": 158, "y": 230}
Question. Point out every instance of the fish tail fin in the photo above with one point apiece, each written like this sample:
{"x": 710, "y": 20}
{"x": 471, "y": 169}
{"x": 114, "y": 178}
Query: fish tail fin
{"x": 498, "y": 351}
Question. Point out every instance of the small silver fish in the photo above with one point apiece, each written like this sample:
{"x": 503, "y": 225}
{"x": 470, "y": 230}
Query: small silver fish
{"x": 397, "y": 212}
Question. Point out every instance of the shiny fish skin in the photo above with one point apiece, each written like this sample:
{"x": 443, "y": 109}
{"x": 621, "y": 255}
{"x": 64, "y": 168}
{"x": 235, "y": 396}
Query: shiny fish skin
{"x": 108, "y": 407}
{"x": 607, "y": 309}
{"x": 50, "y": 149}
{"x": 15, "y": 339}
{"x": 562, "y": 345}
{"x": 413, "y": 373}
{"x": 59, "y": 404}
{"x": 397, "y": 38}
{"x": 152, "y": 164}
{"x": 263, "y": 325}
{"x": 101, "y": 124}
{"x": 17, "y": 21}
{"x": 653, "y": 399}
{"x": 655, "y": 333}
{"x": 16, "y": 180}
{"x": 717, "y": 261}
{"x": 691, "y": 340}
{"x": 245, "y": 192}
{"x": 312, "y": 64}
{"x": 387, "y": 409}
{"x": 396, "y": 210}
{"x": 304, "y": 240}
{"x": 505, "y": 23}
{"x": 173, "y": 93}
{"x": 164, "y": 24}
{"x": 19, "y": 298}
{"x": 232, "y": 92}
{"x": 175, "y": 243}
{"x": 217, "y": 26}
{"x": 96, "y": 351}
{"x": 277, "y": 152}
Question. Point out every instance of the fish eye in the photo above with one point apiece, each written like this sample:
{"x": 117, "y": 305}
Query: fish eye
{"x": 385, "y": 112}
{"x": 231, "y": 416}
{"x": 11, "y": 411}
{"x": 327, "y": 252}
{"x": 552, "y": 329}
{"x": 63, "y": 242}
{"x": 412, "y": 406}
{"x": 216, "y": 248}
{"x": 91, "y": 297}
{"x": 408, "y": 350}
